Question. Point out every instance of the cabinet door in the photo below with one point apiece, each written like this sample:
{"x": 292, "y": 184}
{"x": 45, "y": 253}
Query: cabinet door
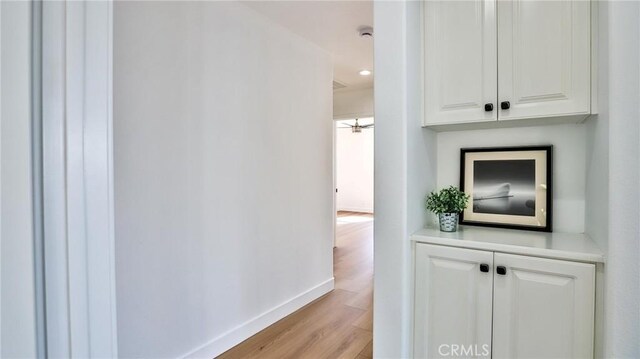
{"x": 460, "y": 61}
{"x": 543, "y": 308}
{"x": 544, "y": 51}
{"x": 452, "y": 302}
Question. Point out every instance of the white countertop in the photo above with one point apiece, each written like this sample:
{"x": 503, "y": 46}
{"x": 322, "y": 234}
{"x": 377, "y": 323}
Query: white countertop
{"x": 569, "y": 246}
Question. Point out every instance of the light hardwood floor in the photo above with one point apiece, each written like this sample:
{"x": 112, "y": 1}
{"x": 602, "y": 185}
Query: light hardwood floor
{"x": 337, "y": 325}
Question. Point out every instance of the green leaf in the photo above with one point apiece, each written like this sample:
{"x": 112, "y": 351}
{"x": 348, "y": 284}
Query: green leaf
{"x": 447, "y": 200}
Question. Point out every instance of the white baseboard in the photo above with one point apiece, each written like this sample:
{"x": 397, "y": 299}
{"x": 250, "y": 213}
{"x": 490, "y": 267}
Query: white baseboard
{"x": 356, "y": 209}
{"x": 235, "y": 336}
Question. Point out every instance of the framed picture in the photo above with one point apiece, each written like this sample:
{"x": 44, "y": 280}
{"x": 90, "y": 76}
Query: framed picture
{"x": 510, "y": 187}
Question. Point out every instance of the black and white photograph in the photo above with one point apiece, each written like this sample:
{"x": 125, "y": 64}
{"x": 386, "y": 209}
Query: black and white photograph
{"x": 505, "y": 187}
{"x": 510, "y": 187}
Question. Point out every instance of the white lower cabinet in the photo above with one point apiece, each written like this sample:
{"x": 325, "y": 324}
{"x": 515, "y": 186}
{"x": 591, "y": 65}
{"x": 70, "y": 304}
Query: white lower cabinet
{"x": 453, "y": 301}
{"x": 542, "y": 308}
{"x": 480, "y": 304}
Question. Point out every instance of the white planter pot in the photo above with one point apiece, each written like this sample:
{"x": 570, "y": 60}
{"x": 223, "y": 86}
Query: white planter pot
{"x": 448, "y": 222}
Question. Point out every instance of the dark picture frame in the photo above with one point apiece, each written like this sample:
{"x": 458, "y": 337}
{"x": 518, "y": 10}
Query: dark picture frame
{"x": 510, "y": 187}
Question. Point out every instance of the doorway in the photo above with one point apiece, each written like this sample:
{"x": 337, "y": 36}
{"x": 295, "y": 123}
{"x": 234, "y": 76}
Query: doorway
{"x": 354, "y": 165}
{"x": 353, "y": 157}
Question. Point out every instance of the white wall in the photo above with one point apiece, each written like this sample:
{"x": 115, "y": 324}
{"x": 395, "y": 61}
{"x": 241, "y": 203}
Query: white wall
{"x": 17, "y": 288}
{"x": 597, "y": 179}
{"x": 405, "y": 158}
{"x": 622, "y": 271}
{"x": 354, "y": 170}
{"x": 223, "y": 175}
{"x": 353, "y": 104}
{"x": 569, "y": 163}
{"x": 421, "y": 155}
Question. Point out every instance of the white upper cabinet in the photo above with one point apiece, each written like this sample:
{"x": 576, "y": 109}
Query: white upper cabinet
{"x": 460, "y": 61}
{"x": 522, "y": 59}
{"x": 544, "y": 51}
{"x": 542, "y": 308}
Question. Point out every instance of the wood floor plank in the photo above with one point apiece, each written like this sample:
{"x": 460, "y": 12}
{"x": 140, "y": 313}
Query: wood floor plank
{"x": 363, "y": 299}
{"x": 365, "y": 321}
{"x": 367, "y": 352}
{"x": 338, "y": 325}
{"x": 346, "y": 344}
{"x": 311, "y": 342}
{"x": 290, "y": 326}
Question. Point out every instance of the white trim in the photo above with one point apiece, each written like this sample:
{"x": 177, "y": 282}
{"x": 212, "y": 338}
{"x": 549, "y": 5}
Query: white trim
{"x": 233, "y": 337}
{"x": 78, "y": 179}
{"x": 54, "y": 181}
{"x": 334, "y": 163}
{"x": 356, "y": 209}
{"x": 36, "y": 175}
{"x": 1, "y": 242}
{"x": 98, "y": 172}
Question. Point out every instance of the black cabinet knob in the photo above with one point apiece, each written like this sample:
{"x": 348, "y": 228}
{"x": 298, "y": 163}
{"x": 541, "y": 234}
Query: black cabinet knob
{"x": 505, "y": 105}
{"x": 484, "y": 268}
{"x": 502, "y": 270}
{"x": 488, "y": 107}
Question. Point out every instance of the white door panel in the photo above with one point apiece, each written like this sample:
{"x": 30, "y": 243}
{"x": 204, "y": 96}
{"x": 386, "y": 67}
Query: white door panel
{"x": 460, "y": 61}
{"x": 453, "y": 301}
{"x": 543, "y": 308}
{"x": 544, "y": 52}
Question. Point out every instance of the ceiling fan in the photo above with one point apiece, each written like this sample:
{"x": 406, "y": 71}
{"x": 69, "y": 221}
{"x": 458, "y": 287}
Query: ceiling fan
{"x": 357, "y": 128}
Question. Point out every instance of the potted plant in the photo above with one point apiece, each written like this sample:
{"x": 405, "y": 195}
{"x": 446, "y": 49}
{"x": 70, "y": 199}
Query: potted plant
{"x": 447, "y": 204}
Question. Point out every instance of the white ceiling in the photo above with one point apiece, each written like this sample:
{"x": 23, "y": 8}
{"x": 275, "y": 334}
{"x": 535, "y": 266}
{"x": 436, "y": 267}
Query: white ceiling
{"x": 332, "y": 25}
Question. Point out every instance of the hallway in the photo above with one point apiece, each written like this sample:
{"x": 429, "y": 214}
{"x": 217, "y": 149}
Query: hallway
{"x": 338, "y": 325}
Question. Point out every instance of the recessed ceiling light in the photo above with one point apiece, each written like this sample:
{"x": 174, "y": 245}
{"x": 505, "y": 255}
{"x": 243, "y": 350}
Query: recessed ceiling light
{"x": 365, "y": 72}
